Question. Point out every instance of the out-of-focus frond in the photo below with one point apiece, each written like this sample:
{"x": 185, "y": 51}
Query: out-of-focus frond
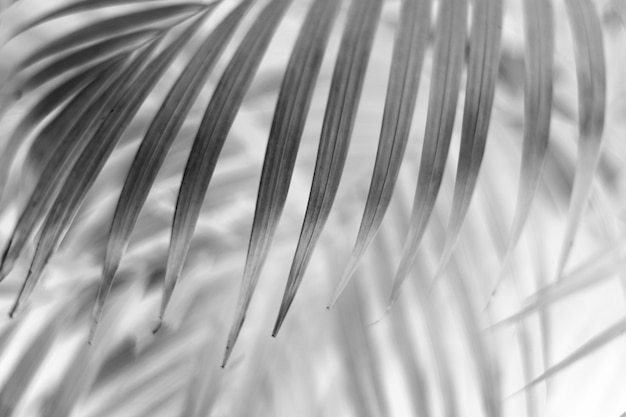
{"x": 598, "y": 341}
{"x": 596, "y": 271}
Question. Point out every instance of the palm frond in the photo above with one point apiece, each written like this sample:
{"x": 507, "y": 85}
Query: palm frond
{"x": 173, "y": 100}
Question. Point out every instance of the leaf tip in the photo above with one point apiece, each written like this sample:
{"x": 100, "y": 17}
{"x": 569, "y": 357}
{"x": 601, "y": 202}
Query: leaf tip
{"x": 6, "y": 264}
{"x": 92, "y": 332}
{"x": 14, "y": 310}
{"x": 227, "y": 353}
{"x": 282, "y": 314}
{"x": 383, "y": 317}
{"x": 340, "y": 288}
{"x": 348, "y": 273}
{"x": 158, "y": 325}
{"x": 279, "y": 323}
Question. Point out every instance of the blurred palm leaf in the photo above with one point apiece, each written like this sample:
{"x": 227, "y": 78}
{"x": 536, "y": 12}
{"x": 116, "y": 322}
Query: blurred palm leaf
{"x": 113, "y": 101}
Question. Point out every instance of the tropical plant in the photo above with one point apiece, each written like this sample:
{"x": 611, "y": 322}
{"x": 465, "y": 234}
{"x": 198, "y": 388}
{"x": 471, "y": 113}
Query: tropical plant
{"x": 148, "y": 143}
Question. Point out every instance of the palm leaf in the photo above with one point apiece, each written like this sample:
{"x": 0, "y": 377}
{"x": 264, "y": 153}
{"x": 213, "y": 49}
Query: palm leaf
{"x": 444, "y": 90}
{"x": 151, "y": 154}
{"x": 409, "y": 50}
{"x": 55, "y": 132}
{"x": 538, "y": 19}
{"x": 339, "y": 118}
{"x": 592, "y": 96}
{"x": 108, "y": 28}
{"x": 93, "y": 54}
{"x": 480, "y": 90}
{"x": 287, "y": 127}
{"x": 91, "y": 161}
{"x": 77, "y": 120}
{"x": 216, "y": 123}
{"x": 40, "y": 111}
{"x": 72, "y": 8}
